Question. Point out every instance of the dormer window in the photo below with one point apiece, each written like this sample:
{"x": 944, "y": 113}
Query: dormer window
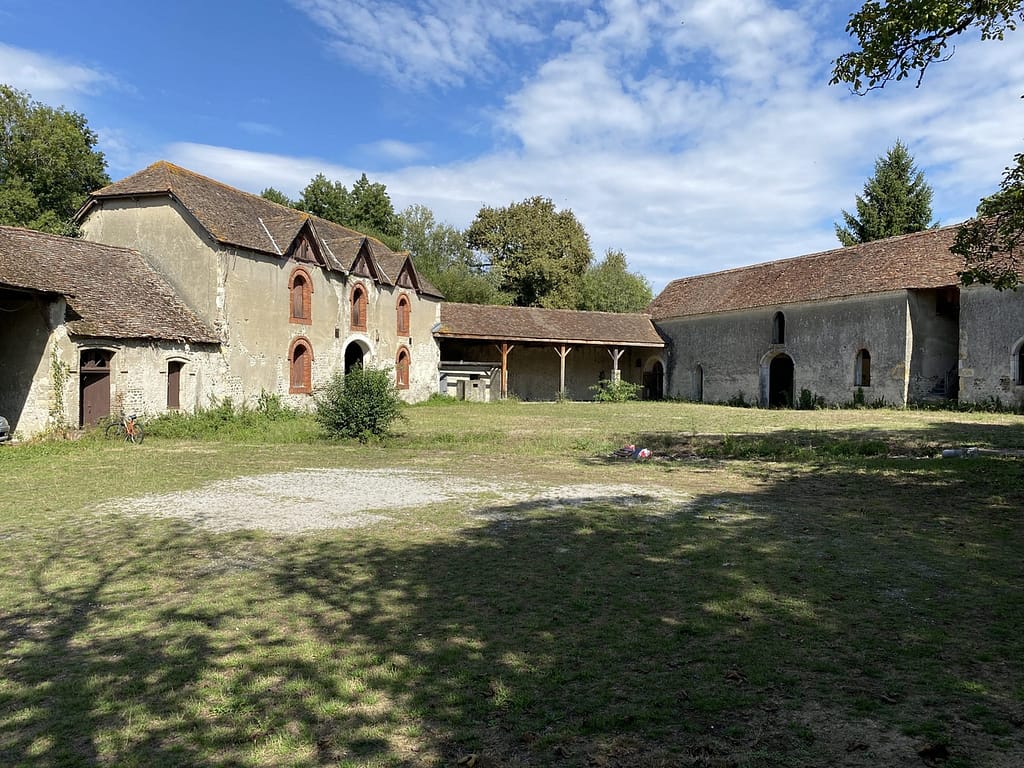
{"x": 404, "y": 312}
{"x": 300, "y": 291}
{"x": 358, "y": 308}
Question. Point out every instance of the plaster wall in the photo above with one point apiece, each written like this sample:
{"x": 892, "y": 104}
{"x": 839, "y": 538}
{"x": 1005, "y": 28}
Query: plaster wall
{"x": 734, "y": 350}
{"x": 991, "y": 335}
{"x": 172, "y": 242}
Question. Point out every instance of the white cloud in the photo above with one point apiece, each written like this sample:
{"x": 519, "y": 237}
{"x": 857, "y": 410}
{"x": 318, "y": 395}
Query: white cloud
{"x": 694, "y": 136}
{"x": 48, "y": 79}
{"x": 437, "y": 42}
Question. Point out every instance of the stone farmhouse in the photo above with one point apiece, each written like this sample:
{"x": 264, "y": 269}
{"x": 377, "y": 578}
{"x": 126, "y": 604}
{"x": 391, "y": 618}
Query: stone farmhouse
{"x": 183, "y": 291}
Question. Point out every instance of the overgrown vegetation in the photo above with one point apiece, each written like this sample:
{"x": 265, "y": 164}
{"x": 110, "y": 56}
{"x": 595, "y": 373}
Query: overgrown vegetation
{"x": 268, "y": 420}
{"x": 361, "y": 404}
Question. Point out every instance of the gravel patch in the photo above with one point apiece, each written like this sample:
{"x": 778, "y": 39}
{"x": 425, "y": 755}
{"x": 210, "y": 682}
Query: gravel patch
{"x": 310, "y": 500}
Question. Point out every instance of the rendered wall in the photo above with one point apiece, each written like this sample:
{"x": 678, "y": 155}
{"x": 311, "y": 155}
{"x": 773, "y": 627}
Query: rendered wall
{"x": 245, "y": 297}
{"x": 991, "y": 335}
{"x": 734, "y": 350}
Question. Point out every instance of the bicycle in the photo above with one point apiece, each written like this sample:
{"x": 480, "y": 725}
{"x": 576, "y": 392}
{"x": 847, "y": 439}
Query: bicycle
{"x": 126, "y": 428}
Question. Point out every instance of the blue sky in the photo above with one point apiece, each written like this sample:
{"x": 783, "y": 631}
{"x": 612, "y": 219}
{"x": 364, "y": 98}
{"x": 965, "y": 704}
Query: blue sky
{"x": 694, "y": 135}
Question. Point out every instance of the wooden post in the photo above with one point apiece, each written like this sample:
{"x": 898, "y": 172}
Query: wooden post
{"x": 616, "y": 354}
{"x": 562, "y": 352}
{"x": 505, "y": 349}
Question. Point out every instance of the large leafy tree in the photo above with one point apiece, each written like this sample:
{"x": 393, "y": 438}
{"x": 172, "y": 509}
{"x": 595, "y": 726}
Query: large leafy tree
{"x": 540, "y": 253}
{"x": 609, "y": 286}
{"x": 440, "y": 254}
{"x": 896, "y": 201}
{"x": 48, "y": 163}
{"x": 901, "y": 38}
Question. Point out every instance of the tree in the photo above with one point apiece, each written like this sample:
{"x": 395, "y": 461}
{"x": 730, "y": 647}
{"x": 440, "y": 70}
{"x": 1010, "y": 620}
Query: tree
{"x": 540, "y": 253}
{"x": 440, "y": 254}
{"x": 367, "y": 208}
{"x": 277, "y": 196}
{"x": 906, "y": 36}
{"x": 370, "y": 209}
{"x": 608, "y": 286}
{"x": 993, "y": 244}
{"x": 48, "y": 163}
{"x": 896, "y": 201}
{"x": 324, "y": 198}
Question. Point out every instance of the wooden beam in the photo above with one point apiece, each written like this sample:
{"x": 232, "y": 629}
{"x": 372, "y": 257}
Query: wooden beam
{"x": 616, "y": 353}
{"x": 562, "y": 352}
{"x": 504, "y": 348}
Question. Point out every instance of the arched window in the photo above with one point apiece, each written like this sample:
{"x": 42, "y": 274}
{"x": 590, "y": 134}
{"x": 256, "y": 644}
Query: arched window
{"x": 862, "y": 371}
{"x": 358, "y": 308}
{"x": 300, "y": 290}
{"x": 300, "y": 359}
{"x": 779, "y": 328}
{"x": 1020, "y": 365}
{"x": 402, "y": 369}
{"x": 404, "y": 311}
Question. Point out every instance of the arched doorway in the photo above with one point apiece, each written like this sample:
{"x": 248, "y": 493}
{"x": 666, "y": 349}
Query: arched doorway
{"x": 93, "y": 386}
{"x": 654, "y": 381}
{"x": 780, "y": 382}
{"x": 354, "y": 354}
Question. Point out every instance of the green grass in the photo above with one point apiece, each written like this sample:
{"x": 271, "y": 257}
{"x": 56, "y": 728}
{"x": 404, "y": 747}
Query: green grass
{"x": 830, "y": 593}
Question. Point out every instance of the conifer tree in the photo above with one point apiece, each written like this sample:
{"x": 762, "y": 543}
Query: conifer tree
{"x": 896, "y": 201}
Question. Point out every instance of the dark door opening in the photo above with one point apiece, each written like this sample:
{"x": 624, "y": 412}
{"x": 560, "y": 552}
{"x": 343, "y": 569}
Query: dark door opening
{"x": 654, "y": 382}
{"x": 353, "y": 357}
{"x": 780, "y": 382}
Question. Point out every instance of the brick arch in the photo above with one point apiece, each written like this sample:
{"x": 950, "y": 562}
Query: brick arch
{"x": 358, "y": 301}
{"x": 300, "y": 296}
{"x": 300, "y": 366}
{"x": 403, "y": 364}
{"x": 403, "y": 311}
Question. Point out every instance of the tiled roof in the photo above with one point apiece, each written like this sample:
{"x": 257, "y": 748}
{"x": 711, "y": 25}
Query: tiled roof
{"x": 241, "y": 219}
{"x": 533, "y": 324}
{"x": 113, "y": 291}
{"x": 920, "y": 260}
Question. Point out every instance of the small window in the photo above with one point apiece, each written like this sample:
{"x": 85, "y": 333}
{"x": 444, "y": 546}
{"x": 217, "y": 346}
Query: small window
{"x": 403, "y": 315}
{"x": 301, "y": 366}
{"x": 300, "y": 290}
{"x": 402, "y": 369}
{"x": 779, "y": 328}
{"x": 174, "y": 384}
{"x": 358, "y": 308}
{"x": 862, "y": 372}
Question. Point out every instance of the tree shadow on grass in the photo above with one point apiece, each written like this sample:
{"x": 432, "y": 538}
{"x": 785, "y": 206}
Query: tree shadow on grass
{"x": 832, "y": 616}
{"x": 839, "y": 619}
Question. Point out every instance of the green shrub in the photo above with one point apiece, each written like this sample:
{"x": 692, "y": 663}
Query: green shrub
{"x": 361, "y": 404}
{"x": 809, "y": 401}
{"x": 269, "y": 420}
{"x": 620, "y": 391}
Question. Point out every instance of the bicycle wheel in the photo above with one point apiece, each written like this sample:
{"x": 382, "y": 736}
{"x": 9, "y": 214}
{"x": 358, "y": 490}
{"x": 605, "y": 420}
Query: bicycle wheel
{"x": 114, "y": 429}
{"x": 136, "y": 435}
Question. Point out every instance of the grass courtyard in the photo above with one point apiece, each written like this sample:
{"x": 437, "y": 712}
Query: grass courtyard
{"x": 781, "y": 588}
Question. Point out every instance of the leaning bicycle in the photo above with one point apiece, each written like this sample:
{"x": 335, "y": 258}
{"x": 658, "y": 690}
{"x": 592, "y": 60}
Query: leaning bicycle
{"x": 126, "y": 428}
